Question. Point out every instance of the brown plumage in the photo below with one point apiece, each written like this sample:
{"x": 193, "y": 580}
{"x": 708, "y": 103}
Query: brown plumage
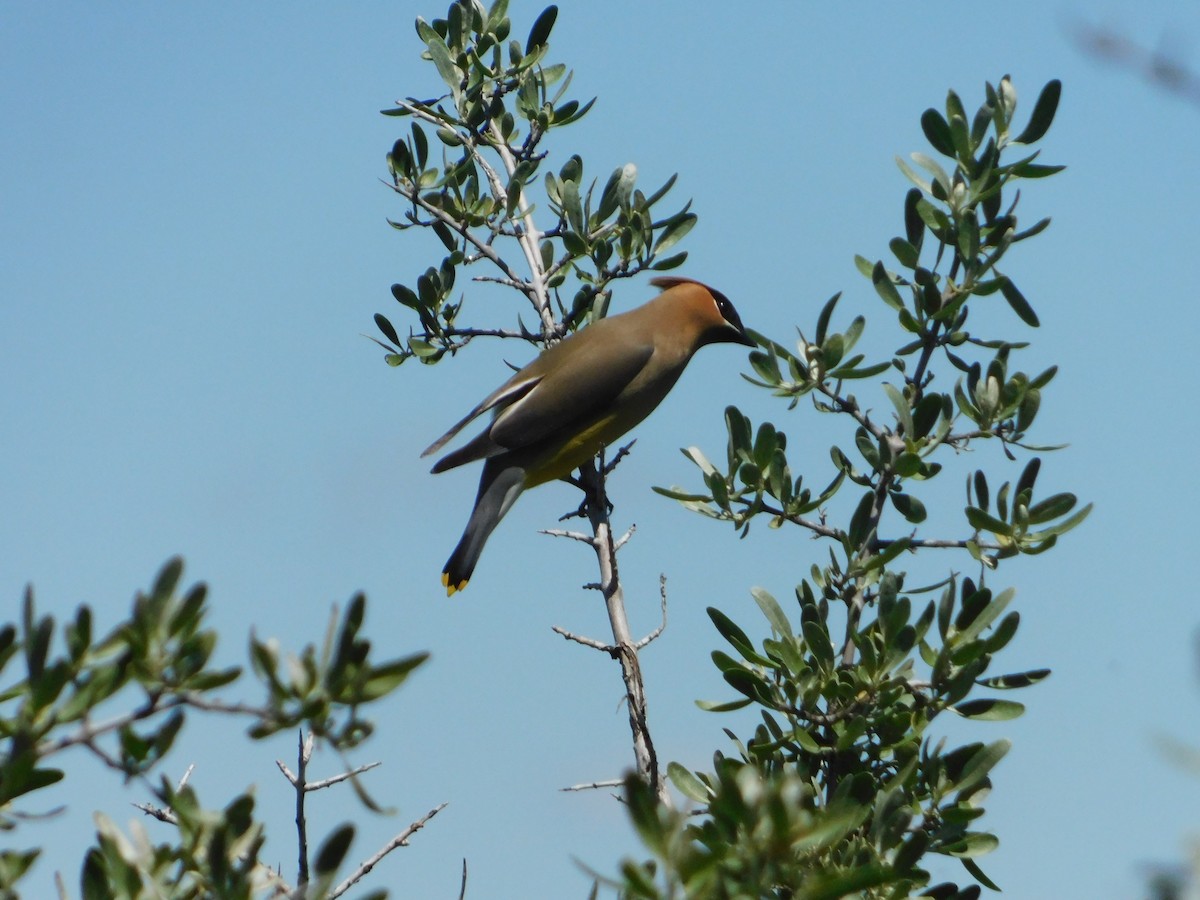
{"x": 577, "y": 397}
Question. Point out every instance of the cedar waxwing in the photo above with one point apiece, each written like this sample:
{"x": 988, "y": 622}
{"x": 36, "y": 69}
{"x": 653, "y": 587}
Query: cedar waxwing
{"x": 578, "y": 397}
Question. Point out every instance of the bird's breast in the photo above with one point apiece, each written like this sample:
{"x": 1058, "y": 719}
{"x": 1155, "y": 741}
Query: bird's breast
{"x": 585, "y": 438}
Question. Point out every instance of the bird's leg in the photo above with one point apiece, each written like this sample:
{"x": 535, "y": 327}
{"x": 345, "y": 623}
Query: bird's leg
{"x": 582, "y": 512}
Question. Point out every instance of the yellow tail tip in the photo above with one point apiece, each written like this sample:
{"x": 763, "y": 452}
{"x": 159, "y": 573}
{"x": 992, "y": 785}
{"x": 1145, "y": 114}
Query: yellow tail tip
{"x": 451, "y": 589}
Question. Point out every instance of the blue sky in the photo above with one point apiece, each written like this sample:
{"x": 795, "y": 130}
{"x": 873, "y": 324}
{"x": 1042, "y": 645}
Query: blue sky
{"x": 194, "y": 242}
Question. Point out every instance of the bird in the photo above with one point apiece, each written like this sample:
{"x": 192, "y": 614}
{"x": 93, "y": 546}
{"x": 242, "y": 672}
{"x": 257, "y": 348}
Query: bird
{"x": 576, "y": 398}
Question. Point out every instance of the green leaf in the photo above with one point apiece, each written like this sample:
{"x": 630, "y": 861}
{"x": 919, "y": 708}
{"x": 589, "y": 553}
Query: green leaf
{"x": 905, "y": 252}
{"x": 989, "y": 709}
{"x": 823, "y": 318}
{"x": 386, "y": 678}
{"x": 671, "y": 262}
{"x": 540, "y": 32}
{"x": 333, "y": 851}
{"x": 914, "y": 228}
{"x": 861, "y": 518}
{"x": 1015, "y": 680}
{"x": 451, "y": 74}
{"x": 885, "y": 287}
{"x": 675, "y": 232}
{"x": 937, "y": 132}
{"x": 816, "y": 636}
{"x": 737, "y": 638}
{"x": 981, "y": 521}
{"x": 773, "y": 611}
{"x": 1051, "y": 508}
{"x": 976, "y": 843}
{"x": 1018, "y": 303}
{"x": 908, "y": 506}
{"x": 386, "y": 327}
{"x": 688, "y": 784}
{"x": 725, "y": 706}
{"x": 1043, "y": 113}
{"x": 977, "y": 873}
{"x": 903, "y": 413}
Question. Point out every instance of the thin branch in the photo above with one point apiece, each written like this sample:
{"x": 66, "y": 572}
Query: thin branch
{"x": 337, "y": 779}
{"x": 303, "y": 755}
{"x": 573, "y": 535}
{"x": 162, "y": 813}
{"x": 485, "y": 249}
{"x": 586, "y": 641}
{"x": 850, "y": 406}
{"x": 462, "y": 892}
{"x": 529, "y": 240}
{"x": 594, "y": 785}
{"x": 623, "y": 649}
{"x": 662, "y": 592}
{"x": 618, "y": 456}
{"x": 624, "y": 539}
{"x": 400, "y": 840}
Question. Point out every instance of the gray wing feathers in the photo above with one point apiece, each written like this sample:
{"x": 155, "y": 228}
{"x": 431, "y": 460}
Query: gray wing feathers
{"x": 507, "y": 392}
{"x": 586, "y": 382}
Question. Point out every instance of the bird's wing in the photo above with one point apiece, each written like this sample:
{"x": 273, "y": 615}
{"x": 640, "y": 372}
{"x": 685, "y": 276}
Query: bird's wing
{"x": 583, "y": 380}
{"x": 512, "y": 390}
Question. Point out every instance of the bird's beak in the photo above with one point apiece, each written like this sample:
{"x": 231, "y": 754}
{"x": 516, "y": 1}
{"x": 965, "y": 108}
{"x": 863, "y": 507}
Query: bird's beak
{"x": 741, "y": 337}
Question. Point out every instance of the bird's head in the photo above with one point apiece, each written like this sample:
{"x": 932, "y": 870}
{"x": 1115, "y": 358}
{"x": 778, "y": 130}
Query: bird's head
{"x": 719, "y": 322}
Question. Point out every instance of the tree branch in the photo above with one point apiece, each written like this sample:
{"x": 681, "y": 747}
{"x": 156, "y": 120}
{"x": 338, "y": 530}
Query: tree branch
{"x": 400, "y": 840}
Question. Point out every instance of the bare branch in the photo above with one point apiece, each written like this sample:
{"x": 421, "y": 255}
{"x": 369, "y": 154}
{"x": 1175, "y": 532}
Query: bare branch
{"x": 529, "y": 240}
{"x": 573, "y": 535}
{"x": 662, "y": 592}
{"x": 337, "y": 779}
{"x": 303, "y": 755}
{"x": 483, "y": 247}
{"x": 594, "y": 785}
{"x": 624, "y": 539}
{"x": 400, "y": 840}
{"x": 587, "y": 642}
{"x": 157, "y": 812}
{"x": 161, "y": 813}
{"x": 618, "y": 456}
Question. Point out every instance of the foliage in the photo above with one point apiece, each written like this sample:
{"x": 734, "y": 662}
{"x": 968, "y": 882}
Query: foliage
{"x": 841, "y": 789}
{"x": 502, "y": 100}
{"x": 125, "y": 697}
{"x": 555, "y": 238}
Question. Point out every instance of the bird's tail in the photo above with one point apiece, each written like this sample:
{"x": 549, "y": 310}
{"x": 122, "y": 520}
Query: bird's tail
{"x": 499, "y": 487}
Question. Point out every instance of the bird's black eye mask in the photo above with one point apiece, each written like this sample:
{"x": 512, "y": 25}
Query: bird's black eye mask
{"x": 725, "y": 308}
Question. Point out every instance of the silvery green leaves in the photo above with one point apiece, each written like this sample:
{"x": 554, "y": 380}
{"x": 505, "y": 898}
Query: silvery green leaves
{"x": 472, "y": 168}
{"x": 961, "y": 205}
{"x": 853, "y": 673}
{"x": 896, "y": 794}
{"x": 125, "y": 696}
{"x": 1018, "y": 523}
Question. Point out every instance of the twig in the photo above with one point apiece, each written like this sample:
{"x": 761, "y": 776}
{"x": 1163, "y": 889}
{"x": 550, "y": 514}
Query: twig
{"x": 662, "y": 592}
{"x": 624, "y": 539}
{"x": 529, "y": 239}
{"x": 573, "y": 535}
{"x": 594, "y": 785}
{"x": 303, "y": 755}
{"x": 400, "y": 840}
{"x": 586, "y": 641}
{"x": 623, "y": 648}
{"x": 463, "y": 890}
{"x": 329, "y": 782}
{"x": 483, "y": 247}
{"x": 162, "y": 813}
